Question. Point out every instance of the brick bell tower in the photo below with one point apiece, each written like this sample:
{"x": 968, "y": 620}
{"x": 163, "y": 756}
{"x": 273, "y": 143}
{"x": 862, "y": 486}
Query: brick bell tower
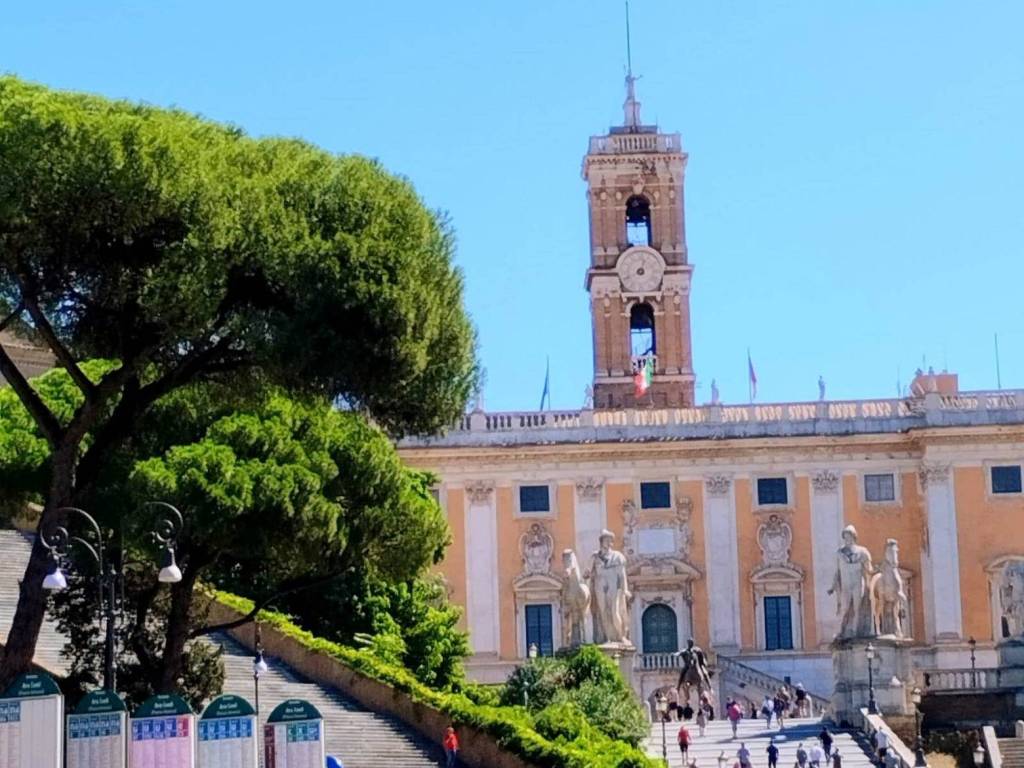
{"x": 639, "y": 275}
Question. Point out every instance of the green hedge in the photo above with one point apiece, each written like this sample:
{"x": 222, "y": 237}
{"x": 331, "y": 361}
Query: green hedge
{"x": 569, "y": 741}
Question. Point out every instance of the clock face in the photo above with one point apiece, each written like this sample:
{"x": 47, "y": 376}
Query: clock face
{"x": 640, "y": 269}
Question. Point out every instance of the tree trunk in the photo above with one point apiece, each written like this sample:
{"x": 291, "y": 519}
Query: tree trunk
{"x": 28, "y": 618}
{"x": 178, "y": 627}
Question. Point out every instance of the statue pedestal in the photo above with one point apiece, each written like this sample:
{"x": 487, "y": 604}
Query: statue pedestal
{"x": 1011, "y": 666}
{"x": 891, "y": 668}
{"x": 624, "y": 656}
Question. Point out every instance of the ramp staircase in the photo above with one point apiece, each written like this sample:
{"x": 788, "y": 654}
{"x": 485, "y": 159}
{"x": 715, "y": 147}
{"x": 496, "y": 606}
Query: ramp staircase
{"x": 718, "y": 741}
{"x": 737, "y": 680}
{"x": 362, "y": 739}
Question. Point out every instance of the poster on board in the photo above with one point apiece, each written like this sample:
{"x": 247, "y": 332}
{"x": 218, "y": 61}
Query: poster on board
{"x": 294, "y": 736}
{"x": 162, "y": 734}
{"x": 97, "y": 734}
{"x": 227, "y": 734}
{"x": 29, "y": 710}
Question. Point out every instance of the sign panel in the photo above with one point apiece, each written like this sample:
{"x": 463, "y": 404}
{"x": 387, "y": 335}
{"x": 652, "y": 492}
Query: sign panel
{"x": 28, "y": 710}
{"x": 227, "y": 734}
{"x": 98, "y": 732}
{"x": 162, "y": 734}
{"x": 294, "y": 736}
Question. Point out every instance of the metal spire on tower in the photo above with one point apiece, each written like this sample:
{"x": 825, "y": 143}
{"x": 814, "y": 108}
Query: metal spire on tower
{"x": 631, "y": 107}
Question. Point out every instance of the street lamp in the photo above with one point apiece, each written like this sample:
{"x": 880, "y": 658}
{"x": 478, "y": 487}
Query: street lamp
{"x": 974, "y": 671}
{"x": 531, "y": 653}
{"x": 661, "y": 704}
{"x": 870, "y": 653}
{"x": 979, "y": 755}
{"x": 110, "y": 576}
{"x": 919, "y": 761}
{"x": 259, "y": 667}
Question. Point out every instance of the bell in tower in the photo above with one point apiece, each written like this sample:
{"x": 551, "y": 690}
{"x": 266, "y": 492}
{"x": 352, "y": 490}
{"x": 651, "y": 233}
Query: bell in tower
{"x": 639, "y": 275}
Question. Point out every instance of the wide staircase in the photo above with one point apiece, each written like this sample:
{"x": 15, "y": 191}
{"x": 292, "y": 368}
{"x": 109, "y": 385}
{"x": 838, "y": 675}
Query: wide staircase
{"x": 1012, "y": 751}
{"x": 362, "y": 739}
{"x": 718, "y": 741}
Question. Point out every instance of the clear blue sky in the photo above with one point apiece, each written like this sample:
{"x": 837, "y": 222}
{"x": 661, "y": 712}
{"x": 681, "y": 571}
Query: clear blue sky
{"x": 856, "y": 181}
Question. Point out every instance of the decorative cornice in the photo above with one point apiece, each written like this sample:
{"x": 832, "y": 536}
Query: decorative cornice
{"x": 479, "y": 491}
{"x": 717, "y": 485}
{"x": 825, "y": 481}
{"x": 589, "y": 489}
{"x": 933, "y": 473}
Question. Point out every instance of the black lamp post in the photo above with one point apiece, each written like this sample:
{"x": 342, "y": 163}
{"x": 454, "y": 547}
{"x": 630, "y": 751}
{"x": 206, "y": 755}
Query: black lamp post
{"x": 919, "y": 761}
{"x": 110, "y": 575}
{"x": 872, "y": 706}
{"x": 259, "y": 666}
{"x": 661, "y": 704}
{"x": 974, "y": 670}
{"x": 531, "y": 654}
{"x": 979, "y": 755}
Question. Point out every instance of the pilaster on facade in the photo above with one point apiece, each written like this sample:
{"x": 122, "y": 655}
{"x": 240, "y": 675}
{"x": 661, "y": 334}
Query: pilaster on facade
{"x": 941, "y": 560}
{"x": 826, "y": 534}
{"x": 482, "y": 597}
{"x": 589, "y": 517}
{"x": 722, "y": 558}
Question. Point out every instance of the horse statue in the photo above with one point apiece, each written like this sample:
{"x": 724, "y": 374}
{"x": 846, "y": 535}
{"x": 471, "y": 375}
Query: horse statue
{"x": 694, "y": 671}
{"x": 889, "y": 604}
{"x": 575, "y": 600}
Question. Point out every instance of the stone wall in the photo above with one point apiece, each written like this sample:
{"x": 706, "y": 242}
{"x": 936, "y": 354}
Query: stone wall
{"x": 478, "y": 749}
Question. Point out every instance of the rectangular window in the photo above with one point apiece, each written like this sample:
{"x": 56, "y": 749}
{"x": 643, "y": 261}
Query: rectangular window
{"x": 538, "y": 629}
{"x": 1006, "y": 479}
{"x": 655, "y": 495}
{"x": 879, "y": 488}
{"x": 778, "y": 624}
{"x": 772, "y": 490}
{"x": 534, "y": 498}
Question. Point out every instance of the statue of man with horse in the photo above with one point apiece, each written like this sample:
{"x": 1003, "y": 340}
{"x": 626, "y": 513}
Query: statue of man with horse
{"x": 695, "y": 671}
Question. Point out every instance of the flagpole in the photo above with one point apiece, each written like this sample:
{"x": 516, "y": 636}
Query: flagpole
{"x": 999, "y": 378}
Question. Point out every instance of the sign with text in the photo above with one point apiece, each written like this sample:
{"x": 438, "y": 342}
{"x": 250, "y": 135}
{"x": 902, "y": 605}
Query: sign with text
{"x": 162, "y": 734}
{"x": 29, "y": 709}
{"x": 227, "y": 734}
{"x": 294, "y": 736}
{"x": 98, "y": 732}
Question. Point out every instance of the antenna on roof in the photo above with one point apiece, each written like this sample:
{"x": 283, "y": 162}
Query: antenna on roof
{"x": 632, "y": 107}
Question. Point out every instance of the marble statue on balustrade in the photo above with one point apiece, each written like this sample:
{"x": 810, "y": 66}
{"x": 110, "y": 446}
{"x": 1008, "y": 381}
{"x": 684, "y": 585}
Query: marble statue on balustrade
{"x": 851, "y": 585}
{"x": 1011, "y": 600}
{"x": 575, "y": 600}
{"x": 889, "y": 604}
{"x": 609, "y": 593}
{"x": 694, "y": 671}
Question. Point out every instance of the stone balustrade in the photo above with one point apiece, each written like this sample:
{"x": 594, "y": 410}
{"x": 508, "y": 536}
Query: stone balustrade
{"x": 938, "y": 680}
{"x": 829, "y": 417}
{"x": 630, "y": 143}
{"x": 657, "y": 662}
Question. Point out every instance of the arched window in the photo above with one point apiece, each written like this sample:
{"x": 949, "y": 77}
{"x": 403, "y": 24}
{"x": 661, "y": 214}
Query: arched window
{"x": 659, "y": 628}
{"x": 641, "y": 330}
{"x": 638, "y": 221}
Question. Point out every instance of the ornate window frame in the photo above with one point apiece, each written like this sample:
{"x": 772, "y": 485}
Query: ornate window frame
{"x": 990, "y": 495}
{"x": 897, "y": 489}
{"x": 778, "y": 581}
{"x": 552, "y": 512}
{"x": 995, "y": 570}
{"x": 760, "y": 508}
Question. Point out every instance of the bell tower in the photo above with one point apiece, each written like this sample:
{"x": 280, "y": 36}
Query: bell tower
{"x": 639, "y": 275}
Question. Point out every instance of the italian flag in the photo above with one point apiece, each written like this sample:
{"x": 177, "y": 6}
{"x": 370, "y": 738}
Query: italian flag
{"x": 642, "y": 377}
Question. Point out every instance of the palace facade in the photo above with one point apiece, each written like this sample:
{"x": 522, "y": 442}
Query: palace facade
{"x": 730, "y": 515}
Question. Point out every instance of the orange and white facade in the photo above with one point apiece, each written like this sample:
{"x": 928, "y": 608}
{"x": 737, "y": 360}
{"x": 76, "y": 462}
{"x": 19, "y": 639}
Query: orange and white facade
{"x": 729, "y": 515}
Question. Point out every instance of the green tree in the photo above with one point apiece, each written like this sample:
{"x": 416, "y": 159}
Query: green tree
{"x": 184, "y": 251}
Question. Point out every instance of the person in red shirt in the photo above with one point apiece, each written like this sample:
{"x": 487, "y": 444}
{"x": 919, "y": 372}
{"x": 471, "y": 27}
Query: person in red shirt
{"x": 451, "y": 747}
{"x": 684, "y": 741}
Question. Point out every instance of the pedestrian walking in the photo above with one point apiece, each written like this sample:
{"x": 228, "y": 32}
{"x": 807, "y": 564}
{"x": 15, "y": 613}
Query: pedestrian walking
{"x": 702, "y": 720}
{"x": 826, "y": 741}
{"x": 837, "y": 760}
{"x": 801, "y": 755}
{"x": 803, "y": 703}
{"x": 891, "y": 760}
{"x": 773, "y": 753}
{"x": 734, "y": 714}
{"x": 744, "y": 755}
{"x": 674, "y": 710}
{"x": 779, "y": 705}
{"x": 881, "y": 745}
{"x": 451, "y": 747}
{"x": 767, "y": 710}
{"x": 815, "y": 756}
{"x": 683, "y": 737}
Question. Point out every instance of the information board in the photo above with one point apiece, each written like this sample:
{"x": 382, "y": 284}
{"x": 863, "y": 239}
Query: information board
{"x": 29, "y": 708}
{"x": 294, "y": 736}
{"x": 98, "y": 732}
{"x": 227, "y": 734}
{"x": 163, "y": 734}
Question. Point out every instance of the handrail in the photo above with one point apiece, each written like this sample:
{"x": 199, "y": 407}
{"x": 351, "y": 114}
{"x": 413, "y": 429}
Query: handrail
{"x": 995, "y": 754}
{"x": 871, "y": 724}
